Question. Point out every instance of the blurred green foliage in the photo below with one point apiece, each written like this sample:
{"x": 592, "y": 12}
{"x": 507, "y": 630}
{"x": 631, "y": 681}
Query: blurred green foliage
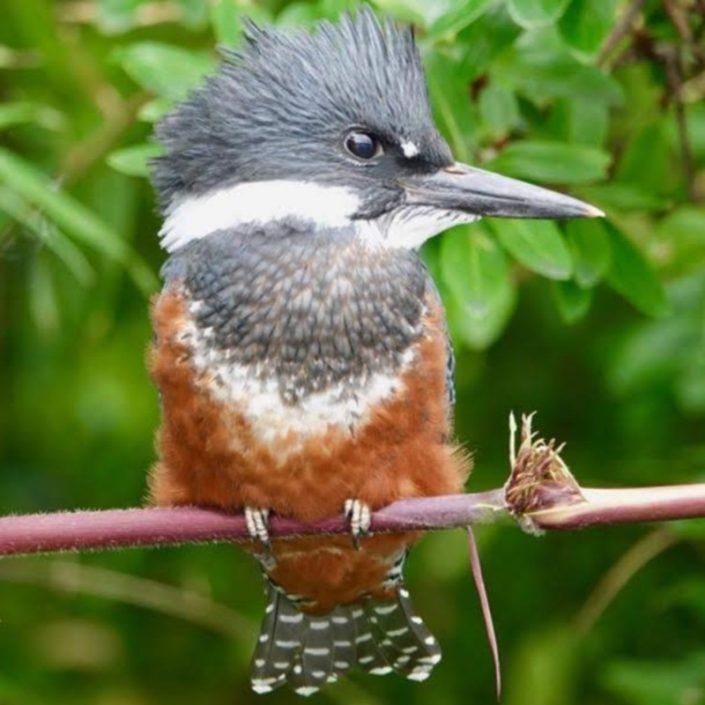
{"x": 598, "y": 325}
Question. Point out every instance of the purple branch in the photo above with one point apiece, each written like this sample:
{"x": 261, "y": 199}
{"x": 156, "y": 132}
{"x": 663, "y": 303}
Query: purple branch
{"x": 122, "y": 528}
{"x": 540, "y": 493}
{"x": 624, "y": 506}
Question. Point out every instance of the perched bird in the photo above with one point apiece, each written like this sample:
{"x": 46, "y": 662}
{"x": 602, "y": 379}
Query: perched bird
{"x": 300, "y": 345}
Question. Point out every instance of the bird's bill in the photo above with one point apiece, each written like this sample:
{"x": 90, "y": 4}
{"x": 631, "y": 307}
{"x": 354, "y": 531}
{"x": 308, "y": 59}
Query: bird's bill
{"x": 478, "y": 192}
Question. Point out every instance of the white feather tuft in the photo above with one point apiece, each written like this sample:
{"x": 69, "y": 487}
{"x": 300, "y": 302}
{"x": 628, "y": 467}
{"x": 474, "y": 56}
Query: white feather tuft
{"x": 408, "y": 227}
{"x": 409, "y": 149}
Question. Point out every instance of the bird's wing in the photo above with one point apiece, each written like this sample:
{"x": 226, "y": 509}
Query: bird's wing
{"x": 435, "y": 298}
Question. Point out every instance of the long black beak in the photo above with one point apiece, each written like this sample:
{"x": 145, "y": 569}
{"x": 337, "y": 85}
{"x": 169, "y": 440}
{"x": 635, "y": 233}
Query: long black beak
{"x": 477, "y": 192}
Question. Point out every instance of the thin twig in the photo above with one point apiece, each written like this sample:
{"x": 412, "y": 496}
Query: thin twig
{"x": 679, "y": 19}
{"x": 674, "y": 77}
{"x": 72, "y": 577}
{"x": 614, "y": 580}
{"x": 81, "y": 156}
{"x": 84, "y": 154}
{"x": 619, "y": 31}
{"x": 145, "y": 15}
{"x": 700, "y": 29}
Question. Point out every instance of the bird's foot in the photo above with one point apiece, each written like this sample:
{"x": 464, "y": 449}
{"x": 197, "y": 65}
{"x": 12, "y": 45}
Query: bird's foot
{"x": 257, "y": 521}
{"x": 359, "y": 517}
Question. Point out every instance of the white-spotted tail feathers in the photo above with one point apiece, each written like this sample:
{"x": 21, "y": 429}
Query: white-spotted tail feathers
{"x": 308, "y": 651}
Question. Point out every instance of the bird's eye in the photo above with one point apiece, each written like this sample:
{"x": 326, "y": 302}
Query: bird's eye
{"x": 363, "y": 145}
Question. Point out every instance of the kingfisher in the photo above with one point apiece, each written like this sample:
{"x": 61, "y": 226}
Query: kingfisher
{"x": 300, "y": 345}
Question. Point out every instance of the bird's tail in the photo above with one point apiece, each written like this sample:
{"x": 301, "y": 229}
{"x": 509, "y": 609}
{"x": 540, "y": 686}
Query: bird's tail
{"x": 308, "y": 651}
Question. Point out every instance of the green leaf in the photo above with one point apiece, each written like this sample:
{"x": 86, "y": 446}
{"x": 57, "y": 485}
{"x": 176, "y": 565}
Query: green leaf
{"x": 471, "y": 265}
{"x": 647, "y": 156}
{"x": 540, "y": 66}
{"x": 74, "y": 218}
{"x": 573, "y": 302}
{"x": 695, "y": 124}
{"x": 420, "y": 12}
{"x": 24, "y": 111}
{"x": 690, "y": 388}
{"x": 458, "y": 16}
{"x": 194, "y": 13}
{"x": 658, "y": 682}
{"x": 165, "y": 70}
{"x": 116, "y": 16}
{"x": 588, "y": 122}
{"x": 333, "y": 9}
{"x": 298, "y": 15}
{"x": 633, "y": 276}
{"x": 681, "y": 236}
{"x": 585, "y": 25}
{"x": 545, "y": 662}
{"x": 134, "y": 161}
{"x": 154, "y": 110}
{"x": 455, "y": 114}
{"x": 623, "y": 197}
{"x": 651, "y": 354}
{"x": 226, "y": 17}
{"x": 43, "y": 296}
{"x": 499, "y": 109}
{"x": 590, "y": 246}
{"x": 556, "y": 162}
{"x": 48, "y": 234}
{"x": 537, "y": 244}
{"x": 688, "y": 591}
{"x": 481, "y": 47}
{"x": 226, "y": 20}
{"x": 562, "y": 79}
{"x": 535, "y": 13}
{"x": 482, "y": 294}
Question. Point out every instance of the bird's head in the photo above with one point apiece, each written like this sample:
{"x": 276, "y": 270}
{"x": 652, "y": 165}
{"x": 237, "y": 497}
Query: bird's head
{"x": 331, "y": 127}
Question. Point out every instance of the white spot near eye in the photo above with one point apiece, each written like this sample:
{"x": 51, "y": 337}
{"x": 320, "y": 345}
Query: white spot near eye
{"x": 409, "y": 149}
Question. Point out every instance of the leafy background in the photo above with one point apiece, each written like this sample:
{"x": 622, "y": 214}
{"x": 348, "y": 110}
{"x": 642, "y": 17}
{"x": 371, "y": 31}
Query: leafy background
{"x": 598, "y": 325}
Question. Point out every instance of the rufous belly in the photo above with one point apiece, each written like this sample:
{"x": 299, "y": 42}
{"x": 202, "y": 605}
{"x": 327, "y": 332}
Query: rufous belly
{"x": 210, "y": 455}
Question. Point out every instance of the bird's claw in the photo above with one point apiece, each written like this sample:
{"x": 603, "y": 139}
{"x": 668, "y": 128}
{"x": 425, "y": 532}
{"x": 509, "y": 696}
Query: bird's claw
{"x": 256, "y": 520}
{"x": 359, "y": 518}
{"x": 257, "y": 527}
